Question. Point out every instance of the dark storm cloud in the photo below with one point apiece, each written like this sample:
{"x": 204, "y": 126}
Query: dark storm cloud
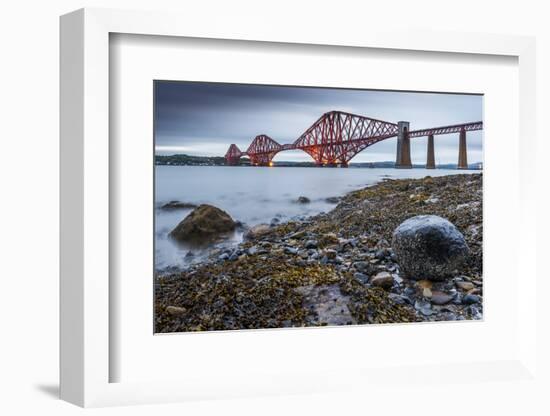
{"x": 205, "y": 118}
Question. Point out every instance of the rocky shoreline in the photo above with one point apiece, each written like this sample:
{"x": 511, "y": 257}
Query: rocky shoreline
{"x": 336, "y": 268}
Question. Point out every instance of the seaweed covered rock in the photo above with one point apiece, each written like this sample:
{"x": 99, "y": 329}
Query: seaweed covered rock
{"x": 204, "y": 222}
{"x": 429, "y": 247}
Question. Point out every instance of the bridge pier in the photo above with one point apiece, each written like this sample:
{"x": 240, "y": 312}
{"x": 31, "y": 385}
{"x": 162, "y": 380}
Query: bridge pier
{"x": 430, "y": 160}
{"x": 462, "y": 153}
{"x": 403, "y": 156}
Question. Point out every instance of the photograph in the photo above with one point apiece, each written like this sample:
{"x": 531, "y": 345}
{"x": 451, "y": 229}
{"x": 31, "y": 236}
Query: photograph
{"x": 280, "y": 206}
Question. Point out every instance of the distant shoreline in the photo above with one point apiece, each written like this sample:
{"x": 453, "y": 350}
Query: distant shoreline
{"x": 187, "y": 160}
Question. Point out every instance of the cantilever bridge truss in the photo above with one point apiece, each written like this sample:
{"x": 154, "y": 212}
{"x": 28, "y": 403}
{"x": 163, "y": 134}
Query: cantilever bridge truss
{"x": 336, "y": 137}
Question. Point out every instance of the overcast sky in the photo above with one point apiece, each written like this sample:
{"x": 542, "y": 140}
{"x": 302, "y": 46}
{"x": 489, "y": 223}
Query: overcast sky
{"x": 203, "y": 119}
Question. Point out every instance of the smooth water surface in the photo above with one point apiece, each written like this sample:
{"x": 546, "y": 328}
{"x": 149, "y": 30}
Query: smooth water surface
{"x": 253, "y": 195}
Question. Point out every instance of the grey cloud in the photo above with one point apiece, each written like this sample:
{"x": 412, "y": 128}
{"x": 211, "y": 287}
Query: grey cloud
{"x": 198, "y": 117}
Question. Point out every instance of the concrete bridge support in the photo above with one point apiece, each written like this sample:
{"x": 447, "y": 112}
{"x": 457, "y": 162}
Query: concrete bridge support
{"x": 403, "y": 154}
{"x": 430, "y": 160}
{"x": 462, "y": 154}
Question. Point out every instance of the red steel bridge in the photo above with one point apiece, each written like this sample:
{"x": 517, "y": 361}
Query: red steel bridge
{"x": 336, "y": 137}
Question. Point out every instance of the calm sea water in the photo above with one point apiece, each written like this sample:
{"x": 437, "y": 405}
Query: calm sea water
{"x": 253, "y": 195}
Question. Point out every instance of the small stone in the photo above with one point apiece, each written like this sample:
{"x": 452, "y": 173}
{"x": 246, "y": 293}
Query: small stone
{"x": 223, "y": 256}
{"x": 425, "y": 284}
{"x": 425, "y": 308}
{"x": 440, "y": 298}
{"x": 332, "y": 199}
{"x": 383, "y": 280}
{"x": 397, "y": 279}
{"x": 257, "y": 231}
{"x": 363, "y": 278}
{"x": 363, "y": 266}
{"x": 471, "y": 299}
{"x": 291, "y": 250}
{"x": 329, "y": 238}
{"x": 331, "y": 254}
{"x": 427, "y": 292}
{"x": 311, "y": 244}
{"x": 175, "y": 310}
{"x": 465, "y": 285}
{"x": 298, "y": 235}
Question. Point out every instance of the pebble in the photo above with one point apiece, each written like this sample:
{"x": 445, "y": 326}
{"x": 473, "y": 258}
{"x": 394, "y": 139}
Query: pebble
{"x": 311, "y": 244}
{"x": 383, "y": 280}
{"x": 425, "y": 308}
{"x": 362, "y": 277}
{"x": 440, "y": 298}
{"x": 465, "y": 285}
{"x": 471, "y": 299}
{"x": 291, "y": 250}
{"x": 175, "y": 310}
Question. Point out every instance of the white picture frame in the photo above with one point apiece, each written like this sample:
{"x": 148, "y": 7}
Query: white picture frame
{"x": 85, "y": 219}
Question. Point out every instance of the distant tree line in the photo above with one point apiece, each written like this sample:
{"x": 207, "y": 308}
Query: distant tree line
{"x": 187, "y": 160}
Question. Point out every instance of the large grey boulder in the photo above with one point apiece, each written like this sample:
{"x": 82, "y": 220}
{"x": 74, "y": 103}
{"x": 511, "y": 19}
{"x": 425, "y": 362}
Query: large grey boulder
{"x": 428, "y": 247}
{"x": 204, "y": 222}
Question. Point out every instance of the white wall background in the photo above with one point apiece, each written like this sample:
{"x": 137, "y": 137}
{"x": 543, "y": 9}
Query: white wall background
{"x": 29, "y": 180}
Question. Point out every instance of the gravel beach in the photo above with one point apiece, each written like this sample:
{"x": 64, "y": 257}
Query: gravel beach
{"x": 336, "y": 268}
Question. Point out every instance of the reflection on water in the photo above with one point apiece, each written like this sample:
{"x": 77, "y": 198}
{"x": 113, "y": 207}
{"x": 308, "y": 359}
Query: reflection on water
{"x": 252, "y": 196}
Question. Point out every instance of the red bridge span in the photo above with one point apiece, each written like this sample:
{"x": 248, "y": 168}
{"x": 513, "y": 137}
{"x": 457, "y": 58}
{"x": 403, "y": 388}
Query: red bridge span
{"x": 336, "y": 137}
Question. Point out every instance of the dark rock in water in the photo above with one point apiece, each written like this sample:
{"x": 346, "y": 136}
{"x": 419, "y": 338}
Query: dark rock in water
{"x": 429, "y": 247}
{"x": 203, "y": 222}
{"x": 275, "y": 221}
{"x": 303, "y": 200}
{"x": 177, "y": 205}
{"x": 256, "y": 232}
{"x": 332, "y": 199}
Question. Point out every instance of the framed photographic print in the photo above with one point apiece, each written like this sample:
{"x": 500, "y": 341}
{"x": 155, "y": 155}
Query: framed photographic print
{"x": 335, "y": 226}
{"x": 298, "y": 212}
